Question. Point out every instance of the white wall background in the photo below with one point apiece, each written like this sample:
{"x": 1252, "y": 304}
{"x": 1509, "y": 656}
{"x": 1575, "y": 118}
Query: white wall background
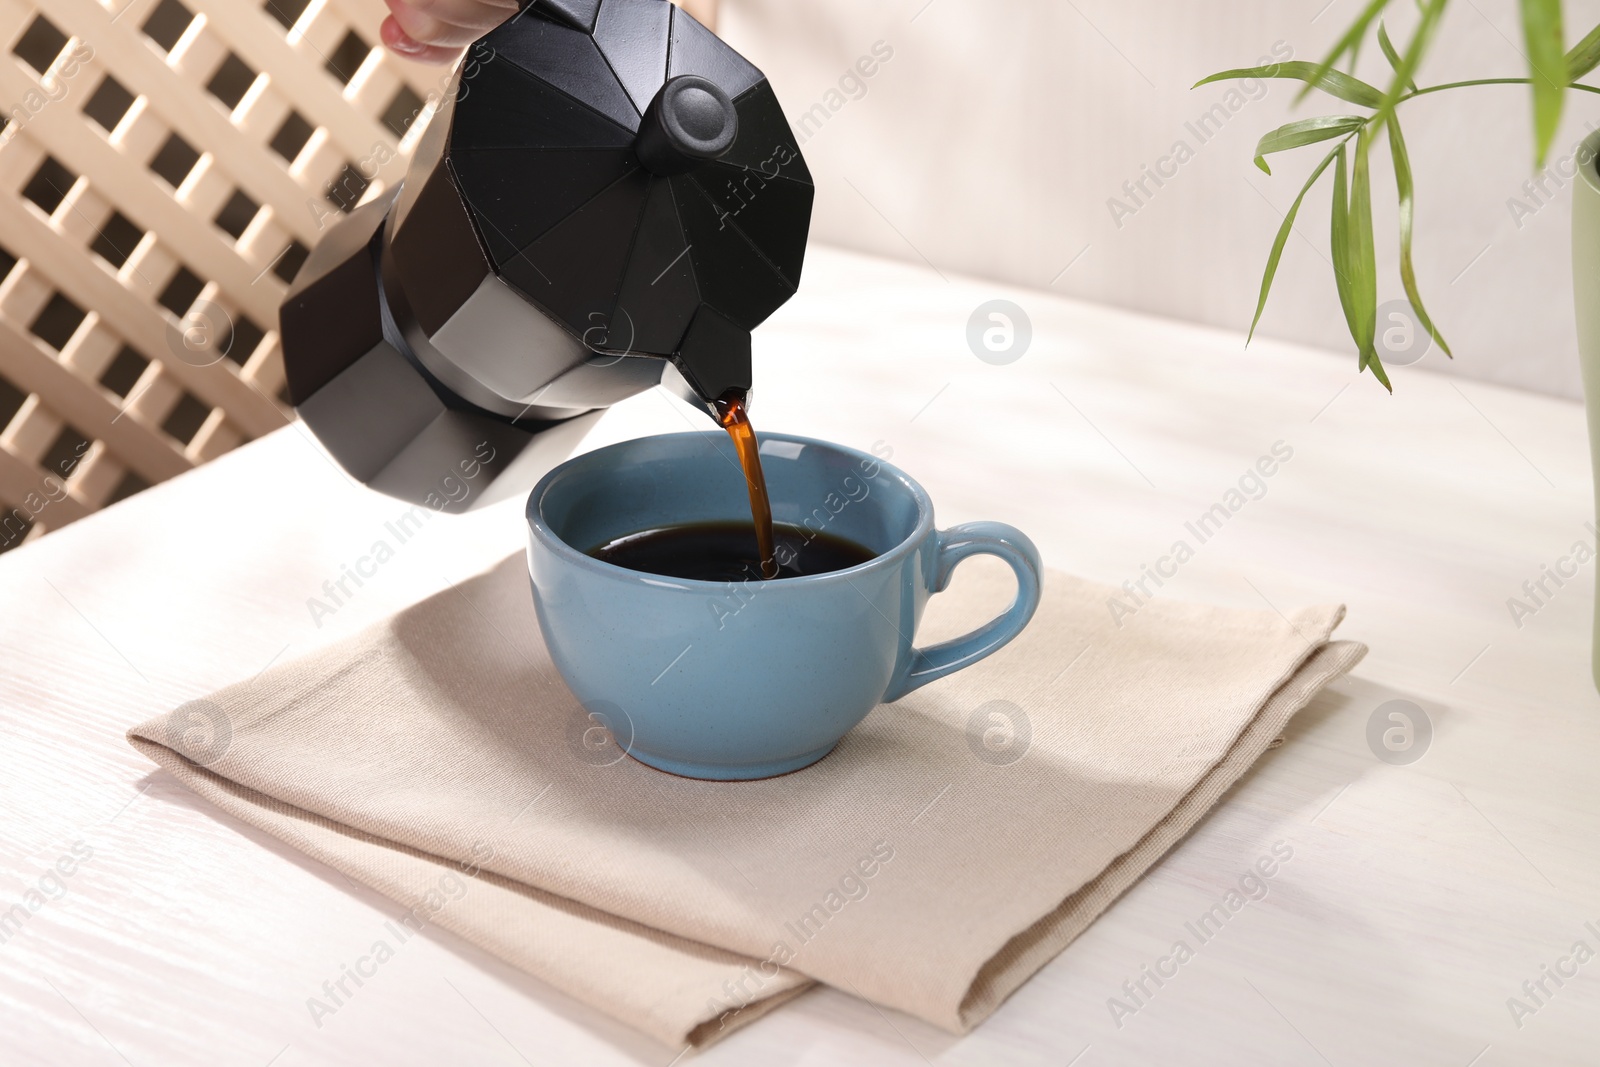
{"x": 991, "y": 141}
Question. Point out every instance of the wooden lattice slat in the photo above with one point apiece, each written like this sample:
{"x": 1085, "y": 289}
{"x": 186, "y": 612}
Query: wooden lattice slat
{"x": 164, "y": 168}
{"x": 118, "y": 275}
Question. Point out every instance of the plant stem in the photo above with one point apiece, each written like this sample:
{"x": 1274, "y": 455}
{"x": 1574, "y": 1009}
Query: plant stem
{"x": 1487, "y": 81}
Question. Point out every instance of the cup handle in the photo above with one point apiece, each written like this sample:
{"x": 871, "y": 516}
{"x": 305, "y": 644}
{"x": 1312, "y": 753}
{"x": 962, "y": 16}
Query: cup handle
{"x": 955, "y": 545}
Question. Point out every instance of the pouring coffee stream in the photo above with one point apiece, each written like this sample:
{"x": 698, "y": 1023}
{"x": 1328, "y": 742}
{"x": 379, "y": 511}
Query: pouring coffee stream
{"x": 736, "y": 420}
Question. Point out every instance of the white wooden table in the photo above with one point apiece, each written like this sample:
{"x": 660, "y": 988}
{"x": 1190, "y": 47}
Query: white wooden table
{"x": 1418, "y": 900}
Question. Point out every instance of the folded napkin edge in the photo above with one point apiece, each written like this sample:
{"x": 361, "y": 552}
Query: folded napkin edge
{"x": 703, "y": 1029}
{"x": 1032, "y": 948}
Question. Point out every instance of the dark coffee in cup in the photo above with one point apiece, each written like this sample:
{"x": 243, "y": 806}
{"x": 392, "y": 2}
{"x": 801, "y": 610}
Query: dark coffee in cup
{"x": 733, "y": 551}
{"x": 729, "y": 552}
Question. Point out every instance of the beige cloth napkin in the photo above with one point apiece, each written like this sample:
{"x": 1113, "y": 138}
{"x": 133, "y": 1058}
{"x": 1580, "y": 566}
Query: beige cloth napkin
{"x": 949, "y": 847}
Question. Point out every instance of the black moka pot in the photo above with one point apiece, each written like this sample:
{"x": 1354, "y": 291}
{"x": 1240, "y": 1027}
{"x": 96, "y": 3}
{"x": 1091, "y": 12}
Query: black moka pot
{"x": 609, "y": 198}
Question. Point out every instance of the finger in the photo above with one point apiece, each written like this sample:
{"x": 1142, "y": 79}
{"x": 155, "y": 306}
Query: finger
{"x": 427, "y": 30}
{"x": 399, "y": 42}
{"x": 474, "y": 14}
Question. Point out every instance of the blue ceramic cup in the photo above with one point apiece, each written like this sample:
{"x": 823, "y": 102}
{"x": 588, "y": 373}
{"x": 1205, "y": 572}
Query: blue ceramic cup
{"x": 749, "y": 679}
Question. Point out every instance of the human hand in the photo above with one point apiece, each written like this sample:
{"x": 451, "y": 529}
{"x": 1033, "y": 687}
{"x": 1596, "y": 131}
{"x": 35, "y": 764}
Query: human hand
{"x": 435, "y": 31}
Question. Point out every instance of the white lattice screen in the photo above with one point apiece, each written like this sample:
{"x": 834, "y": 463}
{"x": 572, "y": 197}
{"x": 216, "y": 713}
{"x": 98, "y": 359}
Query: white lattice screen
{"x": 165, "y": 165}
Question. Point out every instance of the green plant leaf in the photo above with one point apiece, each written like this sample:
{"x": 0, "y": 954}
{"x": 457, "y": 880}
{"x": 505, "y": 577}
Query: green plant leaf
{"x": 1547, "y": 67}
{"x": 1349, "y": 44}
{"x": 1363, "y": 254}
{"x": 1304, "y": 132}
{"x": 1375, "y": 365}
{"x": 1585, "y": 55}
{"x": 1283, "y": 237}
{"x": 1391, "y": 55}
{"x": 1404, "y": 187}
{"x": 1339, "y": 238}
{"x": 1354, "y": 259}
{"x": 1333, "y": 82}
